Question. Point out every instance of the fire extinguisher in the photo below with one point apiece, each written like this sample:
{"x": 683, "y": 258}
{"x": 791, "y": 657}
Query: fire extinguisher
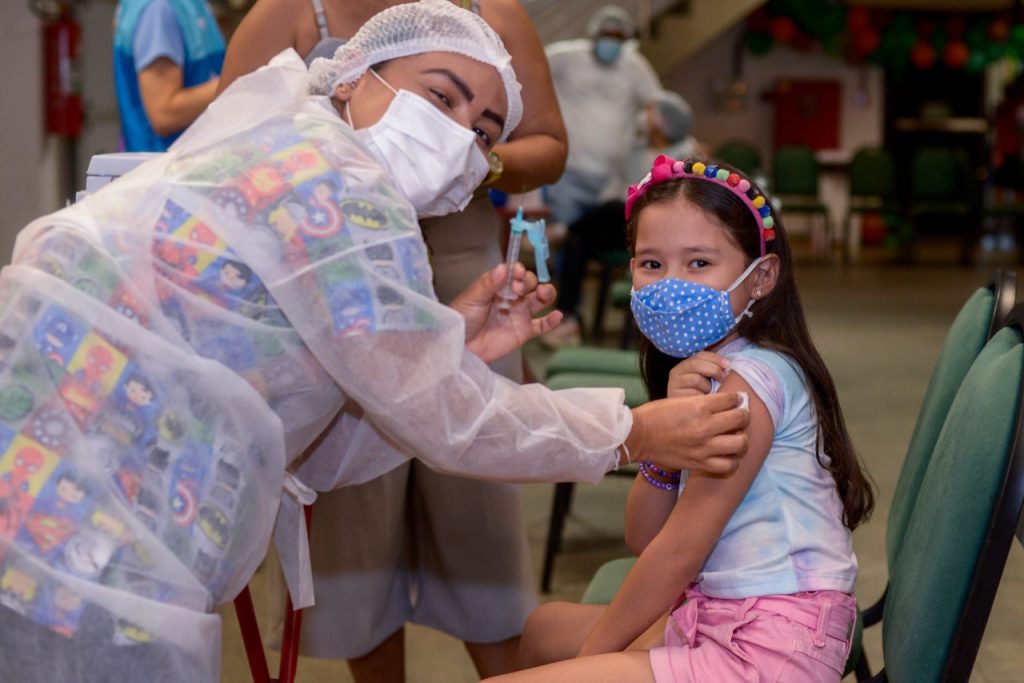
{"x": 62, "y": 72}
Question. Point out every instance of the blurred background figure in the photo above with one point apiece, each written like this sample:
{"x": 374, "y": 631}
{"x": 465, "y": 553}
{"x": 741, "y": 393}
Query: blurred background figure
{"x": 167, "y": 58}
{"x": 603, "y": 83}
{"x": 599, "y": 233}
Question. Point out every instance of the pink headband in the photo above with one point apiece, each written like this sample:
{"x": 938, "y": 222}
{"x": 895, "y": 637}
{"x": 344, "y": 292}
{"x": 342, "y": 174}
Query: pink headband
{"x": 666, "y": 168}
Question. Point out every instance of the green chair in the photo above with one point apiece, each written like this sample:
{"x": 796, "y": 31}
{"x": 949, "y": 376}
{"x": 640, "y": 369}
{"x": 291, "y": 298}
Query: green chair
{"x": 940, "y": 192}
{"x": 739, "y": 154}
{"x": 872, "y": 188}
{"x": 984, "y": 313}
{"x": 954, "y": 549}
{"x": 795, "y": 183}
{"x": 593, "y": 359}
{"x": 616, "y": 368}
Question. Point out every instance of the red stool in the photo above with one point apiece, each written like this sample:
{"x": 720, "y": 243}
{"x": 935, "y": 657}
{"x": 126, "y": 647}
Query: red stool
{"x": 289, "y": 638}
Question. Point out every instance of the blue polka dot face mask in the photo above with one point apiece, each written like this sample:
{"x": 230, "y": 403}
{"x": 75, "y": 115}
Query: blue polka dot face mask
{"x": 682, "y": 317}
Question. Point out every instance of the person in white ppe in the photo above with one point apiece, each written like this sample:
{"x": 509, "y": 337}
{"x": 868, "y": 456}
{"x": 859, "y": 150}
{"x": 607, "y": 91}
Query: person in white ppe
{"x": 173, "y": 343}
{"x": 602, "y": 83}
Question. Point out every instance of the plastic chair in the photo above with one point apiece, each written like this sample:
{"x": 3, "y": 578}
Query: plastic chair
{"x": 951, "y": 561}
{"x": 940, "y": 190}
{"x": 984, "y": 313}
{"x": 795, "y": 183}
{"x": 872, "y": 188}
{"x": 740, "y": 154}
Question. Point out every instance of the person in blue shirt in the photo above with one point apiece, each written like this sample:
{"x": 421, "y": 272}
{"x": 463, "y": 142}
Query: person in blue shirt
{"x": 167, "y": 61}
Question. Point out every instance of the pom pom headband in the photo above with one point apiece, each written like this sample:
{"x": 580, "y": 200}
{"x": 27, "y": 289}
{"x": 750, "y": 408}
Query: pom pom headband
{"x": 666, "y": 168}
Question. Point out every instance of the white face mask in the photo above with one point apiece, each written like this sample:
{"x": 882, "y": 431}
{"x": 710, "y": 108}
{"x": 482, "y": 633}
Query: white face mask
{"x": 435, "y": 162}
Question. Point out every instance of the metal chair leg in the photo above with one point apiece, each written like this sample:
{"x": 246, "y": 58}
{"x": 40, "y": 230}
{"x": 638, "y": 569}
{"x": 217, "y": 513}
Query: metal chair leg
{"x": 559, "y": 509}
{"x": 251, "y": 637}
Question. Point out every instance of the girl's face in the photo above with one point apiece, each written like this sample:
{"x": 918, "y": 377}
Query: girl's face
{"x": 677, "y": 239}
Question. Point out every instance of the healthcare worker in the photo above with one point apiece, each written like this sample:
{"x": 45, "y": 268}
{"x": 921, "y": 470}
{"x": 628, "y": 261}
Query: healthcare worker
{"x": 172, "y": 342}
{"x": 603, "y": 84}
{"x": 392, "y": 550}
{"x": 167, "y": 57}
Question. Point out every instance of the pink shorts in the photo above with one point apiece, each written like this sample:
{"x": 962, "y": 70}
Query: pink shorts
{"x": 791, "y": 638}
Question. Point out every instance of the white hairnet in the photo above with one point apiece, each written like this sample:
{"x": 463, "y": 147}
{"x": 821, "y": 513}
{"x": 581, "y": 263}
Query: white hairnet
{"x": 611, "y": 18}
{"x": 412, "y": 29}
{"x": 674, "y": 116}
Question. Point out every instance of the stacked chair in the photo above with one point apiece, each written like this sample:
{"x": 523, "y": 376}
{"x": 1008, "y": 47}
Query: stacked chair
{"x": 872, "y": 188}
{"x": 957, "y": 503}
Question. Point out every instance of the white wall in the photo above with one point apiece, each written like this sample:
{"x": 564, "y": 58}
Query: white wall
{"x": 860, "y": 124}
{"x": 33, "y": 162}
{"x": 861, "y": 107}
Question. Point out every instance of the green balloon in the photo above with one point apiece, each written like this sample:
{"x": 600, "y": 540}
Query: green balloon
{"x": 1017, "y": 35}
{"x": 976, "y": 62}
{"x": 16, "y": 402}
{"x": 994, "y": 52}
{"x": 759, "y": 43}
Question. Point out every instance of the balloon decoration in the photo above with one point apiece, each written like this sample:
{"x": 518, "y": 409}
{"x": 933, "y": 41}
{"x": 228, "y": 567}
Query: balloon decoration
{"x": 894, "y": 40}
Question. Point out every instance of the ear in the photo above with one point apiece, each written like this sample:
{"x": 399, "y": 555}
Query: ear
{"x": 343, "y": 92}
{"x": 632, "y": 265}
{"x": 765, "y": 275}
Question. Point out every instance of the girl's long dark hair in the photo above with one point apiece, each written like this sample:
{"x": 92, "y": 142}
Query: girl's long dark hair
{"x": 778, "y": 323}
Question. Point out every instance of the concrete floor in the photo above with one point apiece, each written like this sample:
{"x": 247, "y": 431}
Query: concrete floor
{"x": 879, "y": 328}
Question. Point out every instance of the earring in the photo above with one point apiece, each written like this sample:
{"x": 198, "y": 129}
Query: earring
{"x": 757, "y": 293}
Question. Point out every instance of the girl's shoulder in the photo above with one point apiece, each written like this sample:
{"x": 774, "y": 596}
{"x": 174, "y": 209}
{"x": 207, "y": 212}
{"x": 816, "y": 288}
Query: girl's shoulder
{"x": 773, "y": 375}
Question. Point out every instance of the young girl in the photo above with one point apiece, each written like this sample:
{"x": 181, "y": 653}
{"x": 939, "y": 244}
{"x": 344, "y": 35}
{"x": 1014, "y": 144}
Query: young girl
{"x": 762, "y": 556}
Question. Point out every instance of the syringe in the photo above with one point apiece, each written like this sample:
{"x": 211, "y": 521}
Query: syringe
{"x": 535, "y": 231}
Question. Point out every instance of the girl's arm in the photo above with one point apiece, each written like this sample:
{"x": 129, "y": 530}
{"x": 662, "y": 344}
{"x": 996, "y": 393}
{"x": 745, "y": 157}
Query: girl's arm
{"x": 535, "y": 153}
{"x": 647, "y": 509}
{"x": 673, "y": 559}
{"x": 269, "y": 27}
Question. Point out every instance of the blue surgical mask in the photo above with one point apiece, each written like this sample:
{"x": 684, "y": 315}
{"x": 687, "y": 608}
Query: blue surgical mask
{"x": 682, "y": 317}
{"x": 608, "y": 49}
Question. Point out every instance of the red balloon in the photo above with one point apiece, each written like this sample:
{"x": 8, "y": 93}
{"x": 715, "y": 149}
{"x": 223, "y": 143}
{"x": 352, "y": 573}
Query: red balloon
{"x": 998, "y": 31}
{"x": 922, "y": 55}
{"x": 858, "y": 19}
{"x": 956, "y": 54}
{"x": 784, "y": 29}
{"x": 867, "y": 41}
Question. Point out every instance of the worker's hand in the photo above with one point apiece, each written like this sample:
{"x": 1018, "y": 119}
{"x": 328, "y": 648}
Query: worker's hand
{"x": 492, "y": 333}
{"x": 692, "y": 377}
{"x": 706, "y": 433}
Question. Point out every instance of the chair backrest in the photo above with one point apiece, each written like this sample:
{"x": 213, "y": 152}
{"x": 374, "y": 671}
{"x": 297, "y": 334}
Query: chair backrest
{"x": 942, "y": 587}
{"x": 938, "y": 174}
{"x": 795, "y": 171}
{"x": 983, "y": 314}
{"x": 872, "y": 174}
{"x": 739, "y": 154}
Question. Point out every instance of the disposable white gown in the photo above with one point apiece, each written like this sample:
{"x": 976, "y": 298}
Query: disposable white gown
{"x": 172, "y": 342}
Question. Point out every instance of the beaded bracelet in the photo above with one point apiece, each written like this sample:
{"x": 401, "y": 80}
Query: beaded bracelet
{"x": 674, "y": 476}
{"x": 645, "y": 468}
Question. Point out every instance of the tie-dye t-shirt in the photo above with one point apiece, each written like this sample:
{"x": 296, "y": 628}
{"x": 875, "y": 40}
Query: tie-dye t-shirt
{"x": 787, "y": 534}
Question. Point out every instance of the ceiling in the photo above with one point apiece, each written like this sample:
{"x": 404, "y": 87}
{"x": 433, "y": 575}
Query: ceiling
{"x": 938, "y": 5}
{"x": 562, "y": 19}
